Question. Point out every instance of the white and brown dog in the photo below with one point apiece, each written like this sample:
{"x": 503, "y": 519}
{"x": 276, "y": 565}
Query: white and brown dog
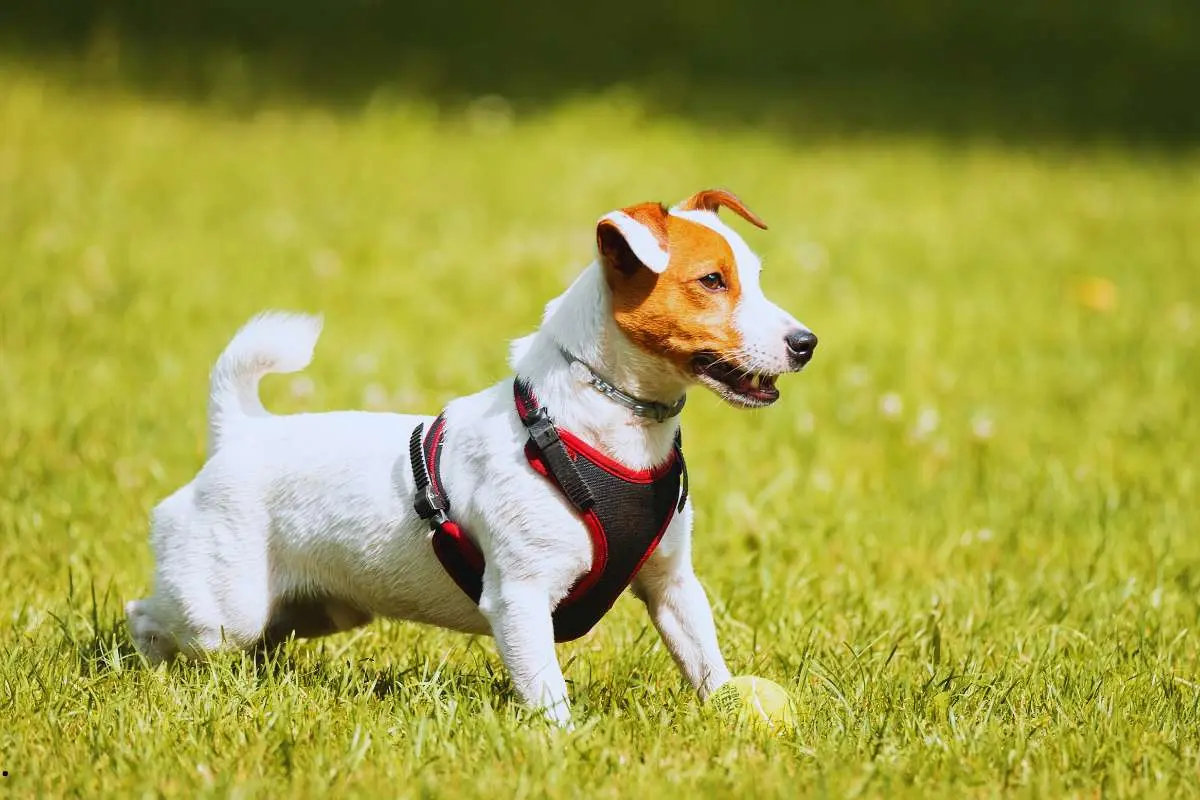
{"x": 305, "y": 524}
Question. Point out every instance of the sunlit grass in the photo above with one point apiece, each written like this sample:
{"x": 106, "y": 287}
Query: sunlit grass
{"x": 966, "y": 539}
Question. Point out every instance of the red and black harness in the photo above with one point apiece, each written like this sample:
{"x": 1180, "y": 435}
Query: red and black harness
{"x": 626, "y": 511}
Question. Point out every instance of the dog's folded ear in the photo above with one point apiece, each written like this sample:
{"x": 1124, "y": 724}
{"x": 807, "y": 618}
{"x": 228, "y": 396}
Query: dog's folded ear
{"x": 634, "y": 238}
{"x": 714, "y": 199}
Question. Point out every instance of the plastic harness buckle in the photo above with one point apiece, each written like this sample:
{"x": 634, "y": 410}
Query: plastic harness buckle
{"x": 542, "y": 430}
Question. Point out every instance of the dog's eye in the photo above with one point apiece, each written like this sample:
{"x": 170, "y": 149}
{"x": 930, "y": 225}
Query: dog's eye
{"x": 713, "y": 282}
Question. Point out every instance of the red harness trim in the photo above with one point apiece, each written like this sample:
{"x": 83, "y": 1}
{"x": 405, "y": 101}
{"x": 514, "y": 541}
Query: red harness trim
{"x": 578, "y": 447}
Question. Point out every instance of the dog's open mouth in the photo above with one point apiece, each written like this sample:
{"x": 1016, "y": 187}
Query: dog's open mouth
{"x": 734, "y": 383}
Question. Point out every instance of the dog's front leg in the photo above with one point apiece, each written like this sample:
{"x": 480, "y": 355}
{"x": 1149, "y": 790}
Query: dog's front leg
{"x": 668, "y": 586}
{"x": 519, "y": 614}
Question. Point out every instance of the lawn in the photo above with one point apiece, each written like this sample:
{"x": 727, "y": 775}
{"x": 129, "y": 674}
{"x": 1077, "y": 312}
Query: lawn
{"x": 966, "y": 539}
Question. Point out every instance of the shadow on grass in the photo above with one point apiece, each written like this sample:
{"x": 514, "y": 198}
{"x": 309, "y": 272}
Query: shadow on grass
{"x": 427, "y": 680}
{"x": 1026, "y": 70}
{"x": 103, "y": 646}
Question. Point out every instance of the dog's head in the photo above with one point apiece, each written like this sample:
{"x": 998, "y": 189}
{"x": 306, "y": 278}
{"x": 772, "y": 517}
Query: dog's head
{"x": 685, "y": 288}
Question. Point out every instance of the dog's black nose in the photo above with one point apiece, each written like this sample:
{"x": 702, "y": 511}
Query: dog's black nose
{"x": 800, "y": 345}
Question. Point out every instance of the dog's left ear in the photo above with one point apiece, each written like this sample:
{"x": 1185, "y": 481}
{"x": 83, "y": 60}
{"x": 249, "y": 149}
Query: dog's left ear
{"x": 713, "y": 199}
{"x": 632, "y": 238}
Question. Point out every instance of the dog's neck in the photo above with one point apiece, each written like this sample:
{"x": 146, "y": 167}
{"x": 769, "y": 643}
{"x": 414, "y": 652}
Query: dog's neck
{"x": 580, "y": 322}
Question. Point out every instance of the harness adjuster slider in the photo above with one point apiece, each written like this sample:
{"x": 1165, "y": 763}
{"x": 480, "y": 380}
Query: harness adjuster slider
{"x": 544, "y": 435}
{"x": 431, "y": 505}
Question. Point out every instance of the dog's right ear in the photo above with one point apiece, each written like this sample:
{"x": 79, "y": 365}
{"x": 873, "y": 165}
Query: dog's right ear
{"x": 633, "y": 238}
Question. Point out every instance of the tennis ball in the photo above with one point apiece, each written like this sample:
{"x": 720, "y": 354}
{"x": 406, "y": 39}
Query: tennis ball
{"x": 758, "y": 700}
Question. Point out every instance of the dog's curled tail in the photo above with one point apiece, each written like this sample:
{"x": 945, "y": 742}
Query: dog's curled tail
{"x": 273, "y": 341}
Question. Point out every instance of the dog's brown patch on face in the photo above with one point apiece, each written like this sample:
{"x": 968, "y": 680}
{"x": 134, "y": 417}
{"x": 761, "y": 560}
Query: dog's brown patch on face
{"x": 654, "y": 216}
{"x": 673, "y": 314}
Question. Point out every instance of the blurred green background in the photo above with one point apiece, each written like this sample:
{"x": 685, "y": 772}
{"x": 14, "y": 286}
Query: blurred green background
{"x": 965, "y": 538}
{"x": 1025, "y": 69}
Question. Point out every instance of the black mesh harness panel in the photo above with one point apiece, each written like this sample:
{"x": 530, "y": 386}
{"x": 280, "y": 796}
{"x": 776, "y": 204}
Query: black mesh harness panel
{"x": 626, "y": 511}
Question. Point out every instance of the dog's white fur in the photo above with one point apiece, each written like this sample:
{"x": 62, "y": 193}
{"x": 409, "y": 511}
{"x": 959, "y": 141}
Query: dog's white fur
{"x": 306, "y": 522}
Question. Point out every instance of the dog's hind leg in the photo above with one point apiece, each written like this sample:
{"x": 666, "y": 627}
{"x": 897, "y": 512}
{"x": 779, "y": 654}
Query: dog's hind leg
{"x": 212, "y": 588}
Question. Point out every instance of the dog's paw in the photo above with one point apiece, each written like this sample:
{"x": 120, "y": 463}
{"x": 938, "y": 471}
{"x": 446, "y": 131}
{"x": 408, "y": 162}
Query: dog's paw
{"x": 149, "y": 637}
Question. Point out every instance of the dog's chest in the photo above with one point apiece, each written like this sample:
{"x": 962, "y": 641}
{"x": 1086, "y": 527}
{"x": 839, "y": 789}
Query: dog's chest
{"x": 630, "y": 514}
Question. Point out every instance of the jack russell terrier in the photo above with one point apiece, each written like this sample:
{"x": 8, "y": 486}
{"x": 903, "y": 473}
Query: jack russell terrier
{"x": 522, "y": 511}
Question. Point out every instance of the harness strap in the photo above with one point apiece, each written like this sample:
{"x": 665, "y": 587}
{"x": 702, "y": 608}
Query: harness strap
{"x": 543, "y": 435}
{"x": 454, "y": 548}
{"x": 430, "y": 504}
{"x": 683, "y": 476}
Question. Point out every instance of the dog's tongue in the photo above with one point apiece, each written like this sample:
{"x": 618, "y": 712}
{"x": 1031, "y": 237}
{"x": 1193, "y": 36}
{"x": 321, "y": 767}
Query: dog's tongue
{"x": 756, "y": 385}
{"x": 747, "y": 385}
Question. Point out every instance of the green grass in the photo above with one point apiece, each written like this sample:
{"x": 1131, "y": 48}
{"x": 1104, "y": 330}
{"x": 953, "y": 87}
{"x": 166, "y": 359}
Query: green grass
{"x": 966, "y": 539}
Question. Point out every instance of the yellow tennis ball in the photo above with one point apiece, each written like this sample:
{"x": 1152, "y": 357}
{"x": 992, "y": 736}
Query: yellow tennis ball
{"x": 758, "y": 700}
